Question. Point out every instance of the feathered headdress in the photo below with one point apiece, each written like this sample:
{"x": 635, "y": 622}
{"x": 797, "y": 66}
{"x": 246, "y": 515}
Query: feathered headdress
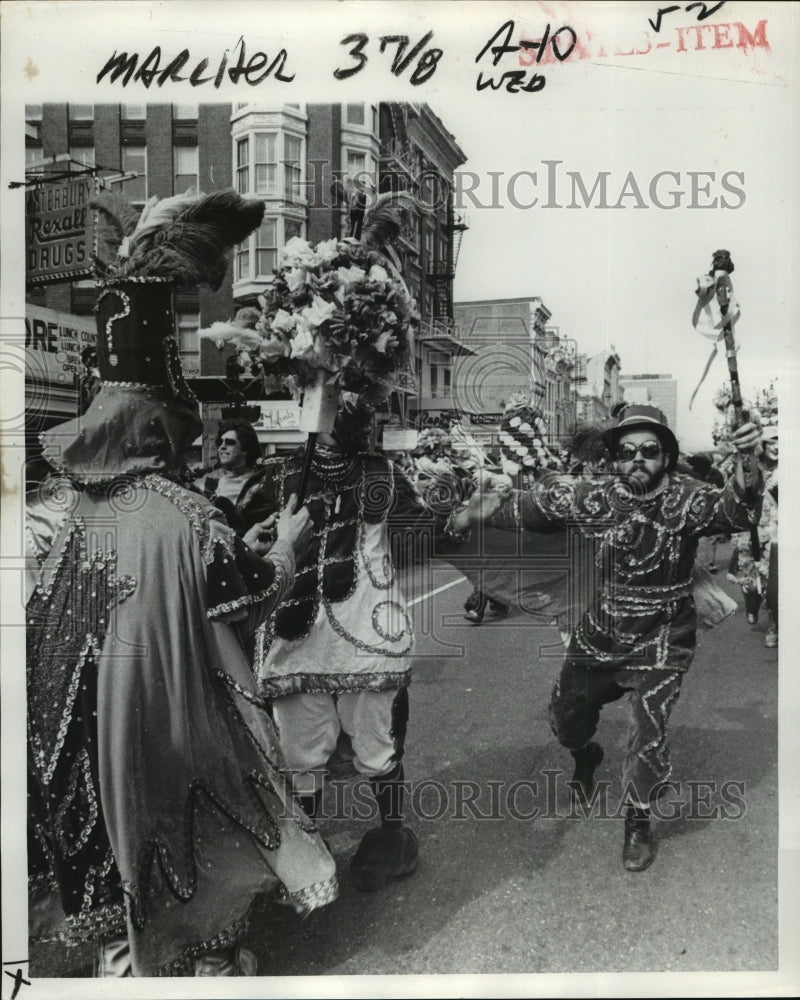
{"x": 186, "y": 239}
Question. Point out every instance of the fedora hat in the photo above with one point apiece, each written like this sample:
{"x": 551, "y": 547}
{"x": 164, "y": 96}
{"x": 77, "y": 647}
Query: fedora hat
{"x": 636, "y": 416}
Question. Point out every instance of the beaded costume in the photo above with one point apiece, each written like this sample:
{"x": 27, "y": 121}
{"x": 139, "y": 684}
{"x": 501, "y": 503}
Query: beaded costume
{"x": 344, "y": 626}
{"x": 158, "y": 809}
{"x": 639, "y": 631}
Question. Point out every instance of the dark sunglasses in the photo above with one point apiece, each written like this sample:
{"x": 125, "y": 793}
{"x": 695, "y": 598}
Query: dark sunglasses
{"x": 231, "y": 441}
{"x": 627, "y": 452}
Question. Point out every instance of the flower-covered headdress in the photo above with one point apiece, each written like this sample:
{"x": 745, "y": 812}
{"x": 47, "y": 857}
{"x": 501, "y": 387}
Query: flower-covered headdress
{"x": 340, "y": 310}
{"x": 522, "y": 438}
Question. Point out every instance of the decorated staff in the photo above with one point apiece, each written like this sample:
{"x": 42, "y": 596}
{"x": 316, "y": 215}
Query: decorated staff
{"x": 715, "y": 316}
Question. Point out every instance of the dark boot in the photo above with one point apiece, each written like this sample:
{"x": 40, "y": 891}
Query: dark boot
{"x": 391, "y": 851}
{"x": 752, "y": 604}
{"x": 638, "y": 852}
{"x": 586, "y": 761}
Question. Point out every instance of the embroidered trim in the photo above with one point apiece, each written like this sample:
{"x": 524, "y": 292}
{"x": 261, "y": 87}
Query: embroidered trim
{"x": 341, "y": 631}
{"x": 82, "y": 928}
{"x": 243, "y": 602}
{"x": 183, "y": 965}
{"x": 276, "y": 685}
{"x": 312, "y": 896}
{"x": 80, "y": 769}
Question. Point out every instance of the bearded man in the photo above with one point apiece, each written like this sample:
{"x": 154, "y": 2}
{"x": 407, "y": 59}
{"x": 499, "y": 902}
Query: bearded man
{"x": 639, "y": 633}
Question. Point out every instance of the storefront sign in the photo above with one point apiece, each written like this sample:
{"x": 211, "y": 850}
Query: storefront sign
{"x": 54, "y": 343}
{"x": 278, "y": 415}
{"x": 485, "y": 418}
{"x": 399, "y": 439}
{"x": 59, "y": 231}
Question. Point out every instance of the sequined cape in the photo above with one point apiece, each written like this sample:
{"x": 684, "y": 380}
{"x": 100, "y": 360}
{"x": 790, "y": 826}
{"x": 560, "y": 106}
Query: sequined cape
{"x": 641, "y": 557}
{"x": 158, "y": 801}
{"x": 344, "y": 625}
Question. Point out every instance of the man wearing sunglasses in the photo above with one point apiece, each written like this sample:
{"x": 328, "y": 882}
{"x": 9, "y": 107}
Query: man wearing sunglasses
{"x": 233, "y": 486}
{"x": 638, "y": 635}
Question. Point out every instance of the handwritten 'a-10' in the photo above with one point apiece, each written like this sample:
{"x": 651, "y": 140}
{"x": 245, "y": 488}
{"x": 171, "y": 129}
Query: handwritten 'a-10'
{"x": 560, "y": 42}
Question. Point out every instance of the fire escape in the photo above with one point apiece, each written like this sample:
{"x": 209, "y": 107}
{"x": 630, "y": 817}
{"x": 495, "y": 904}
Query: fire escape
{"x": 441, "y": 273}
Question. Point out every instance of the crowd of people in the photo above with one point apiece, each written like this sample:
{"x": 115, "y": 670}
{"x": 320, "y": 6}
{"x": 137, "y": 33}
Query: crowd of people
{"x": 199, "y": 647}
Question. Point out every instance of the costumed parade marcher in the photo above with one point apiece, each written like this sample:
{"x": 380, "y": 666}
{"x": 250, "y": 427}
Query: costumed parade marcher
{"x": 758, "y": 577}
{"x": 337, "y": 326}
{"x": 638, "y": 635}
{"x": 519, "y": 573}
{"x": 158, "y": 807}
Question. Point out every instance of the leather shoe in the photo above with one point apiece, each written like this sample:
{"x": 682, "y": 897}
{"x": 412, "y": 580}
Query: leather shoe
{"x": 382, "y": 856}
{"x": 638, "y": 851}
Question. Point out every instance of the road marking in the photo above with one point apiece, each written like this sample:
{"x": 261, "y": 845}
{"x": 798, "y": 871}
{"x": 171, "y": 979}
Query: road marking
{"x": 438, "y": 590}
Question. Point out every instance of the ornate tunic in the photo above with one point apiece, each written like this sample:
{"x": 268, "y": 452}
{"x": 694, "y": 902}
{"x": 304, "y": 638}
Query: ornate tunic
{"x": 154, "y": 768}
{"x": 344, "y": 625}
{"x": 642, "y": 615}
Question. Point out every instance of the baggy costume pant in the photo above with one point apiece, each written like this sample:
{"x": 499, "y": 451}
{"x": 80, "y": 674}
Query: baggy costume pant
{"x": 580, "y": 693}
{"x": 309, "y": 726}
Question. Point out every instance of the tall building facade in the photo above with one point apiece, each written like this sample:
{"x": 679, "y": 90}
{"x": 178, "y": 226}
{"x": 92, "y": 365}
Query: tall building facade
{"x": 289, "y": 156}
{"x": 517, "y": 351}
{"x": 597, "y": 385}
{"x": 656, "y": 390}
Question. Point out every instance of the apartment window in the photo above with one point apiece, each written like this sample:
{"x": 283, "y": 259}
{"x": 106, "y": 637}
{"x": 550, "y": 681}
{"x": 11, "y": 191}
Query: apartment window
{"x": 184, "y": 111}
{"x": 81, "y": 112}
{"x": 266, "y": 248}
{"x": 446, "y": 382}
{"x": 429, "y": 245}
{"x": 293, "y": 147}
{"x": 84, "y": 155}
{"x": 134, "y": 112}
{"x": 434, "y": 381}
{"x": 243, "y": 166}
{"x": 266, "y": 163}
{"x": 134, "y": 159}
{"x": 186, "y": 167}
{"x": 292, "y": 228}
{"x": 354, "y": 114}
{"x": 188, "y": 323}
{"x": 355, "y": 163}
{"x": 243, "y": 261}
{"x": 33, "y": 112}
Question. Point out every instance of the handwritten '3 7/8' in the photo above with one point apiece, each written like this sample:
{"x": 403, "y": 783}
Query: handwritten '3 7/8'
{"x": 561, "y": 43}
{"x": 427, "y": 58}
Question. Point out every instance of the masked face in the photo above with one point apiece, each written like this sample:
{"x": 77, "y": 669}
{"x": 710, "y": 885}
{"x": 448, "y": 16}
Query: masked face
{"x": 641, "y": 458}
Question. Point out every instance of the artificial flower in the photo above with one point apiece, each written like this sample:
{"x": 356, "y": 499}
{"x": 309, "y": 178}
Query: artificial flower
{"x": 318, "y": 312}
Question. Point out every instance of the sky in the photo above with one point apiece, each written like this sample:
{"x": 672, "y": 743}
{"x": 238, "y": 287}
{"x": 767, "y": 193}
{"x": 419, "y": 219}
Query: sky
{"x": 626, "y": 276}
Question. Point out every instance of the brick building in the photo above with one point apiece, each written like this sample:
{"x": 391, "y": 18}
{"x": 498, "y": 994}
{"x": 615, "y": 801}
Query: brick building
{"x": 287, "y": 155}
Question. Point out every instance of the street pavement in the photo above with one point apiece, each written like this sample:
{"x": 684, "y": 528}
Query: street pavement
{"x": 497, "y": 891}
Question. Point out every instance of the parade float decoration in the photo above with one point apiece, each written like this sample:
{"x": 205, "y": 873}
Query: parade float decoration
{"x": 522, "y": 439}
{"x": 336, "y": 325}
